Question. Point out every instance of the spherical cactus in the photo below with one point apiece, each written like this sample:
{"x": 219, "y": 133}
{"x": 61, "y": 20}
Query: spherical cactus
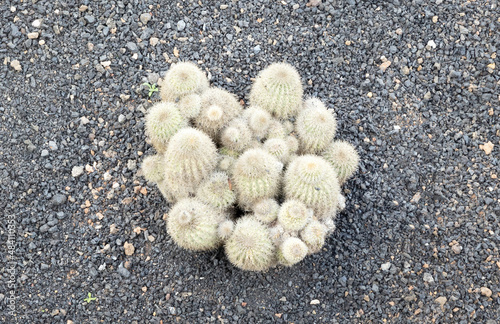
{"x": 225, "y": 229}
{"x": 193, "y": 225}
{"x": 237, "y": 135}
{"x": 276, "y": 130}
{"x": 314, "y": 235}
{"x": 163, "y": 120}
{"x": 216, "y": 191}
{"x": 182, "y": 79}
{"x": 153, "y": 168}
{"x": 278, "y": 89}
{"x": 189, "y": 158}
{"x": 343, "y": 157}
{"x": 266, "y": 210}
{"x": 249, "y": 247}
{"x": 259, "y": 121}
{"x": 218, "y": 108}
{"x": 315, "y": 128}
{"x": 278, "y": 148}
{"x": 293, "y": 143}
{"x": 312, "y": 180}
{"x": 292, "y": 251}
{"x": 293, "y": 215}
{"x": 256, "y": 176}
{"x": 190, "y": 106}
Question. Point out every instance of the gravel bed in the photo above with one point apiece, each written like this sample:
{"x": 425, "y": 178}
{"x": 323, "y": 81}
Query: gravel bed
{"x": 415, "y": 86}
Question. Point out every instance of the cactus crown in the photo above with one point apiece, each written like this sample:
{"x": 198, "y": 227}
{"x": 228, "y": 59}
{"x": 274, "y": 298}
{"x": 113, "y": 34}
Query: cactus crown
{"x": 221, "y": 166}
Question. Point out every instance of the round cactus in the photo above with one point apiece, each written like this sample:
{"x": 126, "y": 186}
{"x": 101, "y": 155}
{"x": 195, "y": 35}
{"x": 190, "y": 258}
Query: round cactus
{"x": 278, "y": 89}
{"x": 293, "y": 143}
{"x": 225, "y": 229}
{"x": 292, "y": 251}
{"x": 189, "y": 158}
{"x": 312, "y": 180}
{"x": 315, "y": 128}
{"x": 256, "y": 176}
{"x": 193, "y": 225}
{"x": 276, "y": 130}
{"x": 249, "y": 247}
{"x": 190, "y": 106}
{"x": 163, "y": 120}
{"x": 293, "y": 215}
{"x": 218, "y": 108}
{"x": 314, "y": 235}
{"x": 182, "y": 79}
{"x": 237, "y": 135}
{"x": 216, "y": 191}
{"x": 343, "y": 157}
{"x": 266, "y": 210}
{"x": 259, "y": 121}
{"x": 278, "y": 148}
{"x": 153, "y": 168}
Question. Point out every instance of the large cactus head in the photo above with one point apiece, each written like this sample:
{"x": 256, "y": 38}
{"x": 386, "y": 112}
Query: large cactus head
{"x": 190, "y": 106}
{"x": 249, "y": 247}
{"x": 278, "y": 89}
{"x": 163, "y": 120}
{"x": 193, "y": 225}
{"x": 182, "y": 79}
{"x": 344, "y": 158}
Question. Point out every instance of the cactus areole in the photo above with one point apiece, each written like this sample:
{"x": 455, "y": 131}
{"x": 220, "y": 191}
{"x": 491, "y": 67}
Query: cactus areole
{"x": 262, "y": 181}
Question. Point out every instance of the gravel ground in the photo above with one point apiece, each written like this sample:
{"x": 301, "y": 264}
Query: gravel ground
{"x": 415, "y": 85}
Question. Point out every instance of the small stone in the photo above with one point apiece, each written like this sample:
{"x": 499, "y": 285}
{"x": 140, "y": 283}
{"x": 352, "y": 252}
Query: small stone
{"x": 123, "y": 271}
{"x": 181, "y": 25}
{"x": 385, "y": 266}
{"x": 121, "y": 118}
{"x": 113, "y": 229}
{"x": 405, "y": 70}
{"x": 52, "y": 145}
{"x": 124, "y": 97}
{"x": 33, "y": 35}
{"x": 171, "y": 310}
{"x": 131, "y": 46}
{"x": 132, "y": 165}
{"x": 296, "y": 6}
{"x": 58, "y": 199}
{"x": 427, "y": 95}
{"x": 485, "y": 291}
{"x": 90, "y": 19}
{"x": 256, "y": 49}
{"x": 428, "y": 278}
{"x": 399, "y": 31}
{"x": 145, "y": 18}
{"x": 84, "y": 120}
{"x": 283, "y": 299}
{"x": 129, "y": 248}
{"x": 153, "y": 41}
{"x": 314, "y": 302}
{"x": 44, "y": 153}
{"x": 487, "y": 147}
{"x": 431, "y": 44}
{"x": 36, "y": 23}
{"x": 385, "y": 65}
{"x": 223, "y": 7}
{"x": 435, "y": 19}
{"x": 457, "y": 248}
{"x": 441, "y": 301}
{"x": 77, "y": 171}
{"x": 106, "y": 64}
{"x": 107, "y": 176}
{"x": 16, "y": 65}
{"x": 83, "y": 8}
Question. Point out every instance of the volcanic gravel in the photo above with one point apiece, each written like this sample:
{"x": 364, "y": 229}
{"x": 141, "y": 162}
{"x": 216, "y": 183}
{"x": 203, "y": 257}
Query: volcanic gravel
{"x": 415, "y": 87}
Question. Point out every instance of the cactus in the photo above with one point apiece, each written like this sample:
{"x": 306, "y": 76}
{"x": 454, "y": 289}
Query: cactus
{"x": 218, "y": 108}
{"x": 190, "y": 106}
{"x": 193, "y": 225}
{"x": 256, "y": 175}
{"x": 314, "y": 235}
{"x": 216, "y": 191}
{"x": 293, "y": 215}
{"x": 163, "y": 120}
{"x": 278, "y": 89}
{"x": 312, "y": 180}
{"x": 278, "y": 148}
{"x": 182, "y": 79}
{"x": 266, "y": 210}
{"x": 315, "y": 127}
{"x": 236, "y": 136}
{"x": 189, "y": 158}
{"x": 213, "y": 156}
{"x": 292, "y": 251}
{"x": 225, "y": 229}
{"x": 153, "y": 168}
{"x": 343, "y": 157}
{"x": 249, "y": 247}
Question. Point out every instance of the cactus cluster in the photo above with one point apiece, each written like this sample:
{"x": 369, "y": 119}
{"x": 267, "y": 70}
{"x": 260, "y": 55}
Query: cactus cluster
{"x": 264, "y": 181}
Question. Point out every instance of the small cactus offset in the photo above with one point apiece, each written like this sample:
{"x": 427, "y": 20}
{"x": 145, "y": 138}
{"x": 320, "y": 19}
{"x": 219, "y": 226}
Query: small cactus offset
{"x": 262, "y": 181}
